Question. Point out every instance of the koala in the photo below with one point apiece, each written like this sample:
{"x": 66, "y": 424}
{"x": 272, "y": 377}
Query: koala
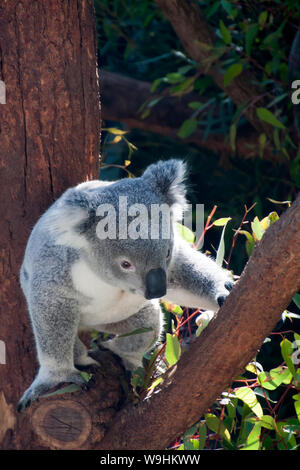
{"x": 80, "y": 270}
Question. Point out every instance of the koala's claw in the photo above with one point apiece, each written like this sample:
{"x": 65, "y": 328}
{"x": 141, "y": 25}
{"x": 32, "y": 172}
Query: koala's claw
{"x": 229, "y": 285}
{"x": 221, "y": 300}
{"x": 22, "y": 405}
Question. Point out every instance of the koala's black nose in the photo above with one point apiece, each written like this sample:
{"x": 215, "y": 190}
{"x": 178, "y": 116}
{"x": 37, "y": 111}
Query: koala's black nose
{"x": 156, "y": 284}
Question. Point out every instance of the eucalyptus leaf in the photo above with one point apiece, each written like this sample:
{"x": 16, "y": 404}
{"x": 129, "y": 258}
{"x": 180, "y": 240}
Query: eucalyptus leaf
{"x": 286, "y": 352}
{"x": 266, "y": 115}
{"x": 138, "y": 331}
{"x": 250, "y": 36}
{"x": 225, "y": 33}
{"x": 173, "y": 349}
{"x": 216, "y": 425}
{"x": 187, "y": 128}
{"x": 248, "y": 396}
{"x": 253, "y": 438}
{"x": 232, "y": 72}
{"x": 221, "y": 248}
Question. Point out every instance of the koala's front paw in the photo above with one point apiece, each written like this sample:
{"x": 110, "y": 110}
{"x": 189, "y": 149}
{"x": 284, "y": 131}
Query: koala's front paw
{"x": 225, "y": 290}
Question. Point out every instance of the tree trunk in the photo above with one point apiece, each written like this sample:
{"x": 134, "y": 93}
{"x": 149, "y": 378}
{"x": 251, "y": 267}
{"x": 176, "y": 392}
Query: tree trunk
{"x": 49, "y": 140}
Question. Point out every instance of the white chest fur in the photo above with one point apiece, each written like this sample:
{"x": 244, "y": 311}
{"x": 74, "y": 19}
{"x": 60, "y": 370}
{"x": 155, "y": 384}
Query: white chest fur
{"x": 106, "y": 303}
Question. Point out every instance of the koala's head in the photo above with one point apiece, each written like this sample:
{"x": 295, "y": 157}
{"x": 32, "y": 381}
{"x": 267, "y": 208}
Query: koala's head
{"x": 127, "y": 227}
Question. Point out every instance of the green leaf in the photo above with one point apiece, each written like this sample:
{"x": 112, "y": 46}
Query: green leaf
{"x": 68, "y": 389}
{"x": 187, "y": 128}
{"x": 155, "y": 84}
{"x": 232, "y": 136}
{"x": 253, "y": 439}
{"x": 296, "y": 300}
{"x": 281, "y": 375}
{"x": 247, "y": 234}
{"x": 273, "y": 217}
{"x": 273, "y": 379}
{"x": 173, "y": 349}
{"x": 214, "y": 424}
{"x": 225, "y": 33}
{"x": 191, "y": 444}
{"x": 263, "y": 394}
{"x": 250, "y": 243}
{"x": 232, "y": 72}
{"x": 138, "y": 331}
{"x": 248, "y": 396}
{"x": 266, "y": 115}
{"x": 262, "y": 18}
{"x": 184, "y": 69}
{"x": 115, "y": 131}
{"x": 286, "y": 352}
{"x": 257, "y": 229}
{"x": 286, "y": 433}
{"x": 175, "y": 77}
{"x": 186, "y": 233}
{"x": 251, "y": 34}
{"x": 210, "y": 11}
{"x": 87, "y": 377}
{"x": 221, "y": 248}
{"x": 184, "y": 87}
{"x": 154, "y": 102}
{"x": 267, "y": 422}
{"x": 155, "y": 383}
{"x": 222, "y": 221}
{"x": 227, "y": 6}
{"x": 177, "y": 310}
{"x": 195, "y": 104}
{"x": 202, "y": 435}
{"x": 251, "y": 368}
{"x": 262, "y": 139}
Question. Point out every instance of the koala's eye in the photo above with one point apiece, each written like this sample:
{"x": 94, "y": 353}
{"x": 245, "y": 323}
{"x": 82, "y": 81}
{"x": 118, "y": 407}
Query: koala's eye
{"x": 168, "y": 253}
{"x": 127, "y": 265}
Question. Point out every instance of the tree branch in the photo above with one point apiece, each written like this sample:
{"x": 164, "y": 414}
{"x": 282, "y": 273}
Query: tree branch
{"x": 122, "y": 99}
{"x": 195, "y": 34}
{"x": 266, "y": 286}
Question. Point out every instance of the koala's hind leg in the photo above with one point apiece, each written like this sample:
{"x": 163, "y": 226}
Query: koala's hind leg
{"x": 132, "y": 348}
{"x": 55, "y": 325}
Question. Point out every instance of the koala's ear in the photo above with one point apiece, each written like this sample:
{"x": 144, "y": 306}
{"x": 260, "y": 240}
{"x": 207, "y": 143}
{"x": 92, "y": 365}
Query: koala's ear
{"x": 70, "y": 211}
{"x": 167, "y": 179}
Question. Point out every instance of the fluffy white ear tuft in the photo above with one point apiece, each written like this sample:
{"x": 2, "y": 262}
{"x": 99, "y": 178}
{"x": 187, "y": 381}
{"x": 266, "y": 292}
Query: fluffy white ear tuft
{"x": 167, "y": 178}
{"x": 68, "y": 213}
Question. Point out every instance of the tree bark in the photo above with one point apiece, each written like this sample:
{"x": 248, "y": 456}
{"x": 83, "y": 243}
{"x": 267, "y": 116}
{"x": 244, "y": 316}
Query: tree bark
{"x": 123, "y": 97}
{"x": 49, "y": 140}
{"x": 231, "y": 340}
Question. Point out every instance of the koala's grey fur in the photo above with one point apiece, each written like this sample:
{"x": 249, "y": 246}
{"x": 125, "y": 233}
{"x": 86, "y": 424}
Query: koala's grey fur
{"x": 71, "y": 279}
